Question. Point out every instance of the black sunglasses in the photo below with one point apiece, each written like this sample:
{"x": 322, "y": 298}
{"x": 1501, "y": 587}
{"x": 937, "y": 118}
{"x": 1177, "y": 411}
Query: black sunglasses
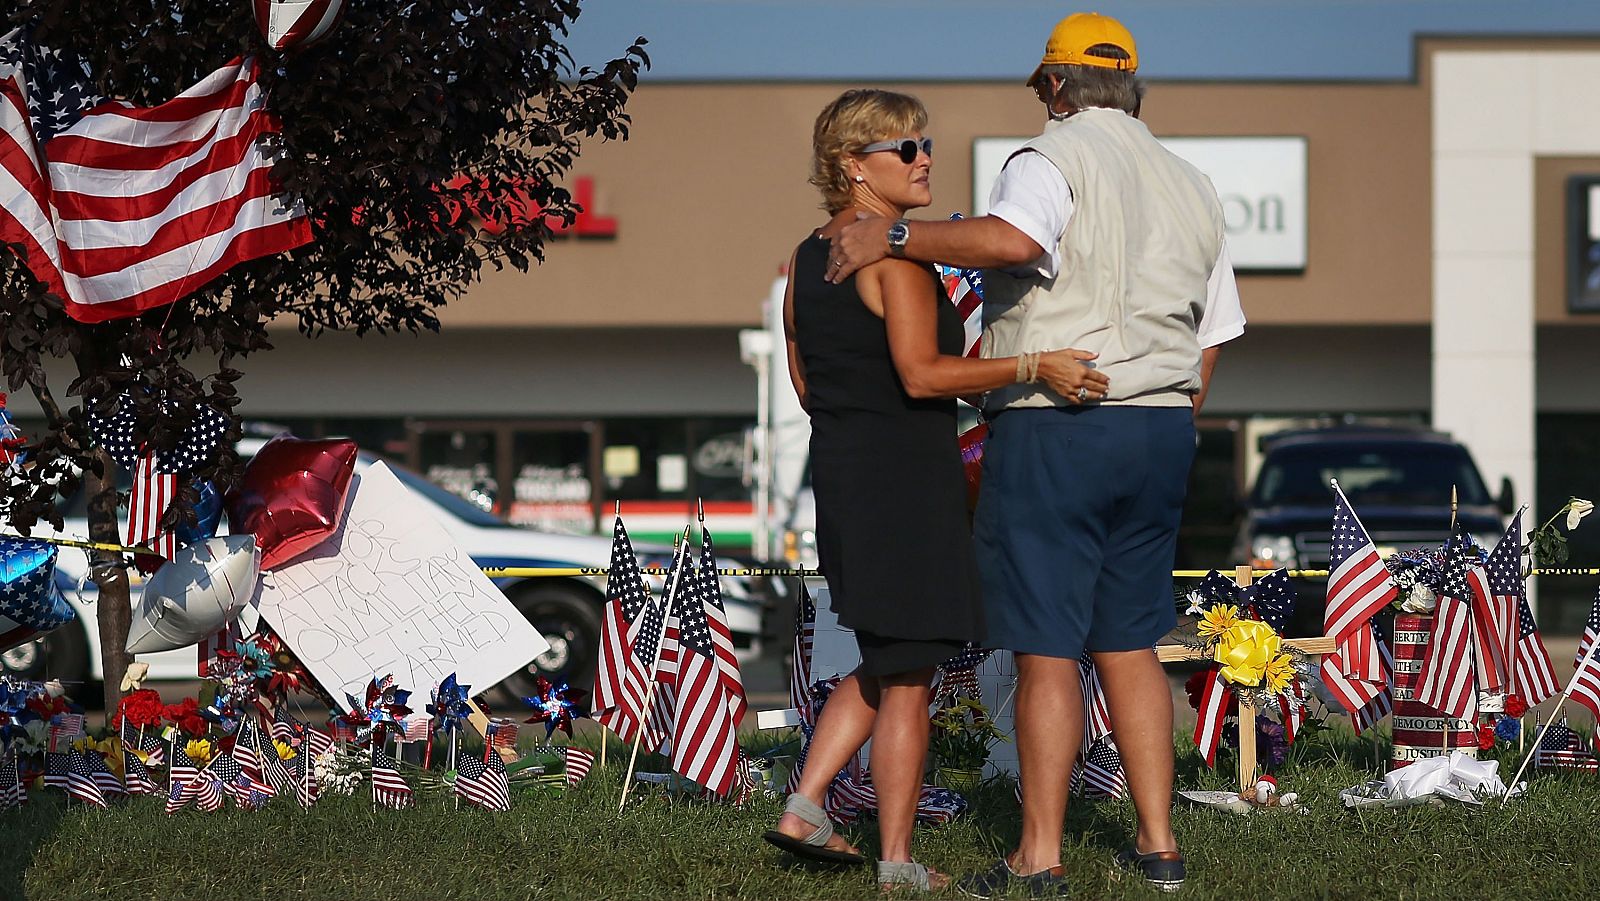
{"x": 907, "y": 148}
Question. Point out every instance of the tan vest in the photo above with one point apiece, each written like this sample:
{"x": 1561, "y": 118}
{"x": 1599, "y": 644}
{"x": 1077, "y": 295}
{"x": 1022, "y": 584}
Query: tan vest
{"x": 1145, "y": 232}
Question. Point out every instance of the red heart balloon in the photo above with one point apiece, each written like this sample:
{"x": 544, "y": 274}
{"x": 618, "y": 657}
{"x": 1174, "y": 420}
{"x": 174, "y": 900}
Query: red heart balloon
{"x": 971, "y": 444}
{"x": 292, "y": 496}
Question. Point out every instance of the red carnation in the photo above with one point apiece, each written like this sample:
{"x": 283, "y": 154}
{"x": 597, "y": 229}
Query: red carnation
{"x": 1515, "y": 706}
{"x": 1485, "y": 737}
{"x": 186, "y": 716}
{"x": 1195, "y": 687}
{"x": 141, "y": 709}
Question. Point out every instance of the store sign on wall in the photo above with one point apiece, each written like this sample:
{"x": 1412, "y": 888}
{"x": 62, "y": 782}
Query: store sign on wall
{"x": 1583, "y": 244}
{"x": 466, "y": 204}
{"x": 1261, "y": 182}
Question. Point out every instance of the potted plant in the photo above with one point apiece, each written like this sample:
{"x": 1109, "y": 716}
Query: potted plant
{"x": 960, "y": 738}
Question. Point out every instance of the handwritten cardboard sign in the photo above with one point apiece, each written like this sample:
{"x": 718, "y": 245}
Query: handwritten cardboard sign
{"x": 391, "y": 592}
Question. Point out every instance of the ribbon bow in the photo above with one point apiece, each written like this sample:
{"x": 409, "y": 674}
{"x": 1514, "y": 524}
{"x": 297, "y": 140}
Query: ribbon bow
{"x": 1272, "y": 597}
{"x": 555, "y": 706}
{"x": 449, "y": 705}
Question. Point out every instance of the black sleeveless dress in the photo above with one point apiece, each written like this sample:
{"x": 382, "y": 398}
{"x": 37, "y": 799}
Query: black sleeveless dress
{"x": 893, "y": 536}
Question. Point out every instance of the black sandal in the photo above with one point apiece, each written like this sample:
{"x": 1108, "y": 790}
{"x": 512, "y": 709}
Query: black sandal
{"x": 814, "y": 846}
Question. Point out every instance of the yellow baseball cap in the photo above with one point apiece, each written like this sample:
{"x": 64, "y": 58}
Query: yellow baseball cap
{"x": 1078, "y": 32}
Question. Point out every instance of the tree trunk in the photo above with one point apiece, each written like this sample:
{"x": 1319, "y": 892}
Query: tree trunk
{"x": 111, "y": 575}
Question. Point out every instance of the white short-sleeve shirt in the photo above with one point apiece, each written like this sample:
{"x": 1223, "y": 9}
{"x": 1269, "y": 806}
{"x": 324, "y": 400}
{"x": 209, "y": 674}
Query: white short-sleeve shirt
{"x": 1032, "y": 196}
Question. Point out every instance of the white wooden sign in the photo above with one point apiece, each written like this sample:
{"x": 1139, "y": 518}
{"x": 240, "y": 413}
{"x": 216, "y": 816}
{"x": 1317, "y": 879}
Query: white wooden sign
{"x": 390, "y": 592}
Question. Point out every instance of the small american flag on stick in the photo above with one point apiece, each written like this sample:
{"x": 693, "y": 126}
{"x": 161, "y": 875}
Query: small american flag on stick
{"x": 483, "y": 782}
{"x": 389, "y": 788}
{"x": 704, "y": 745}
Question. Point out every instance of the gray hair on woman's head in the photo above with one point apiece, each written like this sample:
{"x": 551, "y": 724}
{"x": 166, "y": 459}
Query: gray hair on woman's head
{"x": 1085, "y": 87}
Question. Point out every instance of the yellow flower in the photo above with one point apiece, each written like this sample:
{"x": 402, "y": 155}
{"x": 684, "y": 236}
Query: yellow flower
{"x": 1245, "y": 650}
{"x": 199, "y": 750}
{"x": 284, "y": 751}
{"x": 1280, "y": 672}
{"x": 1218, "y": 620}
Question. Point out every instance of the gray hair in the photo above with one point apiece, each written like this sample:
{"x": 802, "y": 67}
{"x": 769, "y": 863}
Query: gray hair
{"x": 1083, "y": 87}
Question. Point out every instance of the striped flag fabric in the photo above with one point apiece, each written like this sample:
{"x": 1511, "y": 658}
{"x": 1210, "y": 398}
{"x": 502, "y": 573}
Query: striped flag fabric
{"x": 705, "y": 748}
{"x": 616, "y": 698}
{"x": 204, "y": 791}
{"x": 1533, "y": 676}
{"x": 805, "y": 631}
{"x": 1096, "y": 716}
{"x": 152, "y": 748}
{"x": 579, "y": 762}
{"x": 182, "y": 768}
{"x": 286, "y": 23}
{"x": 1102, "y": 771}
{"x": 503, "y": 733}
{"x": 1359, "y": 585}
{"x": 1449, "y": 678}
{"x": 1494, "y": 623}
{"x": 389, "y": 788}
{"x": 223, "y": 639}
{"x": 1215, "y": 704}
{"x": 251, "y": 752}
{"x": 64, "y": 727}
{"x": 235, "y": 783}
{"x": 153, "y": 491}
{"x": 482, "y": 781}
{"x": 121, "y": 209}
{"x": 1586, "y": 678}
{"x": 964, "y": 287}
{"x": 298, "y": 735}
{"x": 629, "y": 718}
{"x": 415, "y": 727}
{"x": 1561, "y": 748}
{"x": 302, "y": 769}
{"x": 12, "y": 792}
{"x": 721, "y": 634}
{"x": 56, "y": 766}
{"x": 81, "y": 779}
{"x": 136, "y": 776}
{"x": 958, "y": 676}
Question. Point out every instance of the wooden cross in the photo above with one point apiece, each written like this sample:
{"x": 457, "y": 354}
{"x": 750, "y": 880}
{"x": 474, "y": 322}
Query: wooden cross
{"x": 1312, "y": 647}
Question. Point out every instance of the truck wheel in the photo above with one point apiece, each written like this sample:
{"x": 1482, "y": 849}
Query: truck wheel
{"x": 62, "y": 654}
{"x": 568, "y": 616}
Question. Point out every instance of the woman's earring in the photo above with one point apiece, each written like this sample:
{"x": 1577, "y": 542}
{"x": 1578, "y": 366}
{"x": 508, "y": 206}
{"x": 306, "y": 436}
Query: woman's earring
{"x": 861, "y": 178}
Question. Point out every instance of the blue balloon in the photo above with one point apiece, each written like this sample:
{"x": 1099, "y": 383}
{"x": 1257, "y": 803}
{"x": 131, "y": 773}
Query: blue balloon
{"x": 209, "y": 510}
{"x": 30, "y": 603}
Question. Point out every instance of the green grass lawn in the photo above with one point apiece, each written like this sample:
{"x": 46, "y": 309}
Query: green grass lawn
{"x": 575, "y": 846}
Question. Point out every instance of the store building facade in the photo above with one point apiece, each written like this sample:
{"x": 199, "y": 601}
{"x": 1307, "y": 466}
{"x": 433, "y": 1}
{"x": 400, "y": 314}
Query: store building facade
{"x": 1437, "y": 240}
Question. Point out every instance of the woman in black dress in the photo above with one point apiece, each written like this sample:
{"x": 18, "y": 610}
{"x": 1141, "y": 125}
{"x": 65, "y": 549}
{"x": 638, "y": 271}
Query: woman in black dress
{"x": 877, "y": 363}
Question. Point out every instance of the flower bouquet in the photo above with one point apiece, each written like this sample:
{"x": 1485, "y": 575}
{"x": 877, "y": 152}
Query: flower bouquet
{"x": 961, "y": 736}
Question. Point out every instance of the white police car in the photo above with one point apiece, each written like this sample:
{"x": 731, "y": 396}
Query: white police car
{"x": 567, "y": 611}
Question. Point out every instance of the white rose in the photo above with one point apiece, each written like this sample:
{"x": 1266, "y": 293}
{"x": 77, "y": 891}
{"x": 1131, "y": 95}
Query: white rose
{"x": 1419, "y": 600}
{"x": 1576, "y": 511}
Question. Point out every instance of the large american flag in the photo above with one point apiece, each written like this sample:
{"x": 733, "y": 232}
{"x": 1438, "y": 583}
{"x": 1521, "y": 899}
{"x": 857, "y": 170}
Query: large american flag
{"x": 1586, "y": 680}
{"x": 120, "y": 209}
{"x": 721, "y": 635}
{"x": 389, "y": 788}
{"x": 1533, "y": 676}
{"x": 1359, "y": 586}
{"x": 645, "y": 712}
{"x": 704, "y": 743}
{"x": 1450, "y": 676}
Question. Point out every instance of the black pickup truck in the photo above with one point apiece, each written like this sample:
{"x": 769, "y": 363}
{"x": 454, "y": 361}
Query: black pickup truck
{"x": 1397, "y": 479}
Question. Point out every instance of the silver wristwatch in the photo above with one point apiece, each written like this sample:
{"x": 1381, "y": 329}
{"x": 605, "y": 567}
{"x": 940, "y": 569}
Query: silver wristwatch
{"x": 898, "y": 233}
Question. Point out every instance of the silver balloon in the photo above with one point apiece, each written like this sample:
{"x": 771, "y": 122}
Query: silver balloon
{"x": 195, "y": 594}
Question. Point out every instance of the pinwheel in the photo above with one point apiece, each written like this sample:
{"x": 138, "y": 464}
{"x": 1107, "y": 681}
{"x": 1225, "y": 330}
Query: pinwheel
{"x": 221, "y": 713}
{"x": 555, "y": 706}
{"x": 278, "y": 671}
{"x": 15, "y": 694}
{"x": 385, "y": 705}
{"x": 450, "y": 705}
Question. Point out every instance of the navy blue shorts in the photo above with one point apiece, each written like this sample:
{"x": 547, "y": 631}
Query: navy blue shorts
{"x": 1077, "y": 526}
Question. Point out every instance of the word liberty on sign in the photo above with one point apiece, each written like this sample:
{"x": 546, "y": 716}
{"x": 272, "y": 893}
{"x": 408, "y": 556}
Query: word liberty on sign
{"x": 391, "y": 592}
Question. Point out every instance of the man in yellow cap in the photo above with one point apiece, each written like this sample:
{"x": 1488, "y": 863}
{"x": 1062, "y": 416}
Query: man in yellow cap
{"x": 1097, "y": 237}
